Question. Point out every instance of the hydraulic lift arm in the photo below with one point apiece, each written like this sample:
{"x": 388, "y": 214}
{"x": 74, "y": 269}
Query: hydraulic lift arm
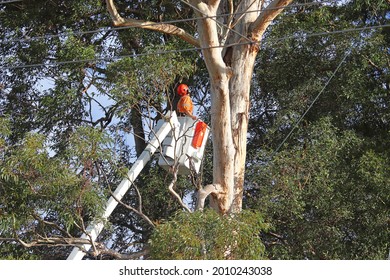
{"x": 164, "y": 127}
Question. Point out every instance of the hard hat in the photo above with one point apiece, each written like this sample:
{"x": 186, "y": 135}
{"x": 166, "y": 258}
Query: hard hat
{"x": 182, "y": 89}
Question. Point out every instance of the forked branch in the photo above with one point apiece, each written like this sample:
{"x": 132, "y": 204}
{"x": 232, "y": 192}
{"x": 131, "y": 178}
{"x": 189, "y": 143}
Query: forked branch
{"x": 170, "y": 29}
{"x": 266, "y": 17}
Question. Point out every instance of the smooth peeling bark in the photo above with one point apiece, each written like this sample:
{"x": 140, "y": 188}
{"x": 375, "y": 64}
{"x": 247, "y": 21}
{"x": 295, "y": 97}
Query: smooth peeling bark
{"x": 241, "y": 61}
{"x": 239, "y": 98}
{"x": 223, "y": 149}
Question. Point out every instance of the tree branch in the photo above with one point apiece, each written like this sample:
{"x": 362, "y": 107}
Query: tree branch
{"x": 49, "y": 241}
{"x": 278, "y": 237}
{"x": 172, "y": 191}
{"x": 100, "y": 249}
{"x": 137, "y": 211}
{"x": 160, "y": 27}
{"x": 54, "y": 225}
{"x": 266, "y": 17}
{"x": 204, "y": 193}
{"x": 214, "y": 3}
{"x": 119, "y": 256}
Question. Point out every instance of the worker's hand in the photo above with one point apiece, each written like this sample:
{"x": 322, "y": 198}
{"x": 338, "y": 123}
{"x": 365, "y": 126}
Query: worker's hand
{"x": 194, "y": 118}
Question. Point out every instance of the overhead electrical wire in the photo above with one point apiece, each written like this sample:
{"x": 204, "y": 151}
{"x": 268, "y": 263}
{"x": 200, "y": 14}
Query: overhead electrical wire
{"x": 311, "y": 104}
{"x": 113, "y": 58}
{"x": 10, "y": 1}
{"x": 58, "y": 63}
{"x": 77, "y": 33}
{"x": 331, "y": 32}
{"x": 198, "y": 49}
{"x": 218, "y": 22}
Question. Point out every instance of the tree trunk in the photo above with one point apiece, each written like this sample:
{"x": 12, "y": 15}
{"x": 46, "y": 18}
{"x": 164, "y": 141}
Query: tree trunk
{"x": 230, "y": 76}
{"x": 242, "y": 64}
{"x": 138, "y": 130}
{"x": 220, "y": 75}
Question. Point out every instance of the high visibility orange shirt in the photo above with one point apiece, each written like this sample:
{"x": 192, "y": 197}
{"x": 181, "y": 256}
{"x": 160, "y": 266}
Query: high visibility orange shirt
{"x": 185, "y": 104}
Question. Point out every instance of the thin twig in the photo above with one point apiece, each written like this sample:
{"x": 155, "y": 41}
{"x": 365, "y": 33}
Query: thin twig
{"x": 172, "y": 191}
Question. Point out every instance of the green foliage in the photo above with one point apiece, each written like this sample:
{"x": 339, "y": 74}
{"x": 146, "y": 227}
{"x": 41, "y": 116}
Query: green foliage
{"x": 35, "y": 187}
{"x": 207, "y": 236}
{"x": 74, "y": 49}
{"x": 145, "y": 82}
{"x": 90, "y": 144}
{"x": 13, "y": 251}
{"x": 326, "y": 193}
{"x": 4, "y": 132}
{"x": 327, "y": 198}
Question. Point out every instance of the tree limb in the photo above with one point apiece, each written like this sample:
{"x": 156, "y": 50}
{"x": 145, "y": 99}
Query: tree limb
{"x": 214, "y": 3}
{"x": 205, "y": 192}
{"x": 54, "y": 225}
{"x": 100, "y": 249}
{"x": 137, "y": 211}
{"x": 266, "y": 17}
{"x": 119, "y": 256}
{"x": 49, "y": 241}
{"x": 170, "y": 29}
{"x": 172, "y": 191}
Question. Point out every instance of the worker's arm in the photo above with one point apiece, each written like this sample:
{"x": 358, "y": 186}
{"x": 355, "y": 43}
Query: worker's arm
{"x": 188, "y": 113}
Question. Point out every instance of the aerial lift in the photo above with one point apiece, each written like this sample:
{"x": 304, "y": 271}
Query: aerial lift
{"x": 181, "y": 141}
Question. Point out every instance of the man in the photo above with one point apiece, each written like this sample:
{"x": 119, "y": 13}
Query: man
{"x": 185, "y": 106}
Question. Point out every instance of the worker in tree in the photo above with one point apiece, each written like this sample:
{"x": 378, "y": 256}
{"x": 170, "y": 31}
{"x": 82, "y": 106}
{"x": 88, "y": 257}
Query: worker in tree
{"x": 185, "y": 106}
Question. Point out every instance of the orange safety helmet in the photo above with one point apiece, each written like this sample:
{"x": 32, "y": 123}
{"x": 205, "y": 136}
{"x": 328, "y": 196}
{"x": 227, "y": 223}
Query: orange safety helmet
{"x": 182, "y": 89}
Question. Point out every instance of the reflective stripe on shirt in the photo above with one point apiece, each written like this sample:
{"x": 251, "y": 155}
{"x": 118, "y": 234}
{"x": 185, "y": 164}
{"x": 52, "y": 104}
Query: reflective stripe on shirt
{"x": 185, "y": 104}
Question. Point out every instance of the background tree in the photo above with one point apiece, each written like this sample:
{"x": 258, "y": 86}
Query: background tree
{"x": 68, "y": 88}
{"x": 326, "y": 189}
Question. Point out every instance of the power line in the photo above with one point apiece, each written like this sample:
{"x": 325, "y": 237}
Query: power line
{"x": 329, "y": 32}
{"x": 10, "y": 1}
{"x": 218, "y": 22}
{"x": 311, "y": 105}
{"x": 107, "y": 29}
{"x": 57, "y": 63}
{"x": 252, "y": 11}
{"x": 49, "y": 36}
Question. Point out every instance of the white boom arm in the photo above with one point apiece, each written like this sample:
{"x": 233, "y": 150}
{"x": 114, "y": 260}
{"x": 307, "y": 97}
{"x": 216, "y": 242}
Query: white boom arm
{"x": 164, "y": 127}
